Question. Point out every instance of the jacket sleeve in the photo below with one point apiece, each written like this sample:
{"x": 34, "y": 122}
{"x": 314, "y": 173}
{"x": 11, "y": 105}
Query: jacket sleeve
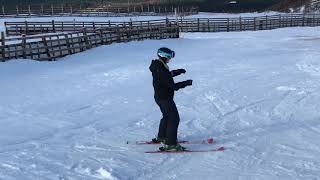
{"x": 167, "y": 80}
{"x": 181, "y": 85}
{"x": 175, "y": 73}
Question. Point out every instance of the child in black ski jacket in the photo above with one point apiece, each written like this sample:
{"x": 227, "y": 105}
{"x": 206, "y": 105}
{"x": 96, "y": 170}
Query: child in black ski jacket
{"x": 164, "y": 87}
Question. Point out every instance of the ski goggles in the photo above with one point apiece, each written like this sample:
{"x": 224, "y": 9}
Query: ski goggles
{"x": 168, "y": 55}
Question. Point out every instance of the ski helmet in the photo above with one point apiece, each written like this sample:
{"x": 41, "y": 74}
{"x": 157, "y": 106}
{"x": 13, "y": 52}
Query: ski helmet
{"x": 166, "y": 53}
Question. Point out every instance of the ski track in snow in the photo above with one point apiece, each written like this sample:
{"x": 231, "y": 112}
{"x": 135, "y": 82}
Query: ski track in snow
{"x": 71, "y": 119}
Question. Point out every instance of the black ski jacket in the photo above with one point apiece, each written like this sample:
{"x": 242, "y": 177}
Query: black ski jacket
{"x": 163, "y": 83}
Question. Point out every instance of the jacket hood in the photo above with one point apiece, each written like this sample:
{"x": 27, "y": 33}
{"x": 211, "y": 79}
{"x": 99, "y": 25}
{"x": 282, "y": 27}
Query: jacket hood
{"x": 155, "y": 64}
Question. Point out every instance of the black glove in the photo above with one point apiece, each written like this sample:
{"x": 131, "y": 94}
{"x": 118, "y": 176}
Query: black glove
{"x": 188, "y": 82}
{"x": 183, "y": 84}
{"x": 177, "y": 72}
{"x": 181, "y": 71}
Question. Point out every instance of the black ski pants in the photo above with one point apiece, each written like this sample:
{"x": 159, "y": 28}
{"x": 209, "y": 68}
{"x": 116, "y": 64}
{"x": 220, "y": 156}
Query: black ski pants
{"x": 168, "y": 128}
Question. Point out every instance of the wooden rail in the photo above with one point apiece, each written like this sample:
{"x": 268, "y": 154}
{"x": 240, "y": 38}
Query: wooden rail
{"x": 247, "y": 23}
{"x": 66, "y": 38}
{"x": 31, "y": 28}
{"x": 51, "y": 47}
{"x": 103, "y": 11}
{"x": 186, "y": 25}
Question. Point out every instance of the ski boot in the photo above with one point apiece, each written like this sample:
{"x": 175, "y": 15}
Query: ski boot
{"x": 177, "y": 147}
{"x": 158, "y": 140}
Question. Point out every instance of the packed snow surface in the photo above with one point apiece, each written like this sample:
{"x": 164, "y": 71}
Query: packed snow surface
{"x": 255, "y": 93}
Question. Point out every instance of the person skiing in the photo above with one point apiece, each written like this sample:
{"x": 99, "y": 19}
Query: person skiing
{"x": 164, "y": 87}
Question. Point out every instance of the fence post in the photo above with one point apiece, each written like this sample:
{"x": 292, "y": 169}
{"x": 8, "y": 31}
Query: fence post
{"x": 214, "y": 26}
{"x": 131, "y": 24}
{"x": 24, "y": 42}
{"x": 255, "y": 23}
{"x": 167, "y": 22}
{"x": 7, "y": 29}
{"x": 86, "y": 38}
{"x": 138, "y": 31}
{"x": 177, "y": 31}
{"x": 3, "y": 12}
{"x": 303, "y": 19}
{"x": 3, "y": 43}
{"x": 266, "y": 21}
{"x": 26, "y": 27}
{"x": 45, "y": 44}
{"x": 198, "y": 24}
{"x": 3, "y": 40}
{"x": 38, "y": 51}
{"x": 59, "y": 46}
{"x": 313, "y": 20}
{"x": 181, "y": 25}
{"x": 149, "y": 31}
{"x": 53, "y": 26}
{"x": 52, "y": 13}
{"x": 71, "y": 12}
{"x": 228, "y": 25}
{"x": 279, "y": 20}
{"x": 240, "y": 21}
{"x": 100, "y": 32}
{"x": 42, "y": 9}
{"x": 118, "y": 33}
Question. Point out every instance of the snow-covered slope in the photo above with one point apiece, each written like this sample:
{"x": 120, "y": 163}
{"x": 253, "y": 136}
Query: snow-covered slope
{"x": 256, "y": 93}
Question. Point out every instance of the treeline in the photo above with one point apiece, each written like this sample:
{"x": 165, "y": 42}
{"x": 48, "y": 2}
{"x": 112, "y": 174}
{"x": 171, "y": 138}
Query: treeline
{"x": 237, "y": 5}
{"x": 204, "y": 5}
{"x": 286, "y": 5}
{"x": 227, "y": 5}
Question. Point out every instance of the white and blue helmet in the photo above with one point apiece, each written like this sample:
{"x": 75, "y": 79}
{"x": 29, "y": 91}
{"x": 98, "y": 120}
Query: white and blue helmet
{"x": 166, "y": 53}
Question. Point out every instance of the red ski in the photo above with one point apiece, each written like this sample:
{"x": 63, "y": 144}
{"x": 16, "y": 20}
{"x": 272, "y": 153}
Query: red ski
{"x": 204, "y": 141}
{"x": 186, "y": 151}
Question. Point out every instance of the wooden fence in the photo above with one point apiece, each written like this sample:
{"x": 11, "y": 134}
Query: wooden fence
{"x": 72, "y": 37}
{"x": 53, "y": 46}
{"x": 185, "y": 25}
{"x": 104, "y": 11}
{"x": 31, "y": 28}
{"x": 247, "y": 23}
